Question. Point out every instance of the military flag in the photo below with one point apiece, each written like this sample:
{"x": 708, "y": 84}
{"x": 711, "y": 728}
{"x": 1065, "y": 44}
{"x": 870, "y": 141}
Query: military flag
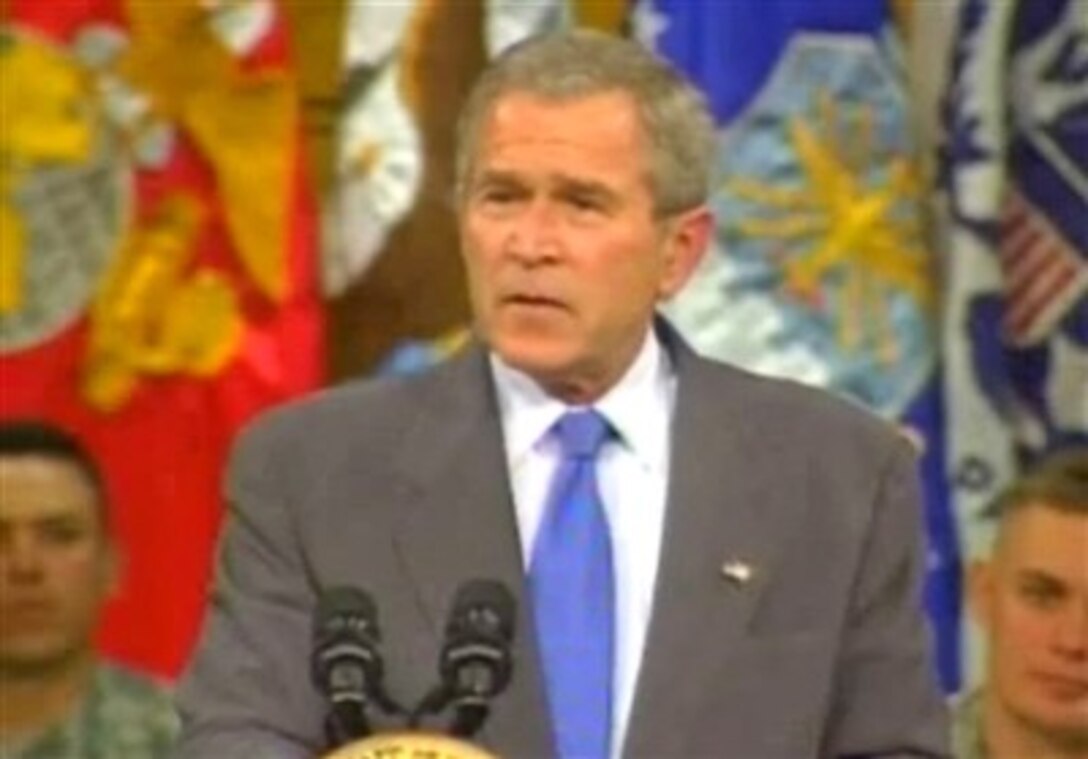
{"x": 156, "y": 265}
{"x": 820, "y": 269}
{"x": 1014, "y": 176}
{"x": 1015, "y": 170}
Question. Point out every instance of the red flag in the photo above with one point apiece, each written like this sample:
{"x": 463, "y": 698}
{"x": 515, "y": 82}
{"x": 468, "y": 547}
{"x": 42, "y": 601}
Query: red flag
{"x": 160, "y": 300}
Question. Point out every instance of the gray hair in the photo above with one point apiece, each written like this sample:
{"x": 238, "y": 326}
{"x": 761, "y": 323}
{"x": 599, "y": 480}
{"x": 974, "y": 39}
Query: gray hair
{"x": 580, "y": 63}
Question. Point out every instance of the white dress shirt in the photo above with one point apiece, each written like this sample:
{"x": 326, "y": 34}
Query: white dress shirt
{"x": 632, "y": 474}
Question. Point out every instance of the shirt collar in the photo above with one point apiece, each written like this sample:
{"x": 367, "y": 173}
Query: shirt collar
{"x": 638, "y": 407}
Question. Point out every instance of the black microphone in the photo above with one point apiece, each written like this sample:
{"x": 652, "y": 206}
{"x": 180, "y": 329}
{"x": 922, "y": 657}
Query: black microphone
{"x": 346, "y": 666}
{"x": 476, "y": 663}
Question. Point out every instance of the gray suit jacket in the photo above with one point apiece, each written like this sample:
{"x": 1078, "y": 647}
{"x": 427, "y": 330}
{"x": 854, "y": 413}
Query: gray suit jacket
{"x": 400, "y": 487}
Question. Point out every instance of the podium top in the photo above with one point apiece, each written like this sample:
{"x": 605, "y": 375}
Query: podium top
{"x": 405, "y": 745}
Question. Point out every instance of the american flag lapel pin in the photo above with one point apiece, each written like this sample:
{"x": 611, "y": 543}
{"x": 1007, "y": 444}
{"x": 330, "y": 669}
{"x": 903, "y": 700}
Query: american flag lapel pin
{"x": 737, "y": 572}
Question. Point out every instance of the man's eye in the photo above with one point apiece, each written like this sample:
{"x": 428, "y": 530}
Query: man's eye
{"x": 584, "y": 204}
{"x": 63, "y": 534}
{"x": 498, "y": 196}
{"x": 1041, "y": 595}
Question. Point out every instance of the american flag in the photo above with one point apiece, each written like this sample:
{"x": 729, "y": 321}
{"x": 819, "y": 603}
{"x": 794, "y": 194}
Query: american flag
{"x": 1043, "y": 274}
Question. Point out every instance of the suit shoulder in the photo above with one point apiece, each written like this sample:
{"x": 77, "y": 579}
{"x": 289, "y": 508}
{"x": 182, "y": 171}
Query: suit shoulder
{"x": 807, "y": 415}
{"x": 337, "y": 415}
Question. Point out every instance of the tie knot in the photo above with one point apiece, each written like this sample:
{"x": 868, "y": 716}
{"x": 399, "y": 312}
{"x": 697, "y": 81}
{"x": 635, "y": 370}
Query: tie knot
{"x": 581, "y": 433}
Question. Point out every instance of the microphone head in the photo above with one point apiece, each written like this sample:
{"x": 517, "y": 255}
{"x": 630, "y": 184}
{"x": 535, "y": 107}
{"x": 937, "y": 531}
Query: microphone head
{"x": 341, "y": 608}
{"x": 485, "y": 608}
{"x": 345, "y": 637}
{"x": 476, "y": 660}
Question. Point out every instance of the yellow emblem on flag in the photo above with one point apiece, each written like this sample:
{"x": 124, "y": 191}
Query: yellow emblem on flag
{"x": 50, "y": 95}
{"x": 153, "y": 318}
{"x": 843, "y": 222}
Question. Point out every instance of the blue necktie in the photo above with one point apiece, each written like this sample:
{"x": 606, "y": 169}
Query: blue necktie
{"x": 573, "y": 590}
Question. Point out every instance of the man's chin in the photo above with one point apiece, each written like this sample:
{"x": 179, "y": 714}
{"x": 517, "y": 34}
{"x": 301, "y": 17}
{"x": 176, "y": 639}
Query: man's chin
{"x": 1071, "y": 739}
{"x": 539, "y": 359}
{"x": 1062, "y": 728}
{"x": 35, "y": 658}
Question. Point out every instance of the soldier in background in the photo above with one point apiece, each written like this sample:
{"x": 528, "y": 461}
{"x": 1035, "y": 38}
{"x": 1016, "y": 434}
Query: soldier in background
{"x": 1031, "y": 599}
{"x": 58, "y": 565}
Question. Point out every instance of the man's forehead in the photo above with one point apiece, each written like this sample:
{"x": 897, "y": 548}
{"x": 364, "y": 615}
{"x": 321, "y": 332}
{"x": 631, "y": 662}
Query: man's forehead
{"x": 34, "y": 488}
{"x": 524, "y": 117}
{"x": 1044, "y": 539}
{"x": 499, "y": 174}
{"x": 615, "y": 102}
{"x": 1038, "y": 520}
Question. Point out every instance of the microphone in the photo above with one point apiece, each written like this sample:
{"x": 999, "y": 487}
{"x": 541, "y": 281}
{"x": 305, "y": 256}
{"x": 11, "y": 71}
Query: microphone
{"x": 476, "y": 663}
{"x": 346, "y": 666}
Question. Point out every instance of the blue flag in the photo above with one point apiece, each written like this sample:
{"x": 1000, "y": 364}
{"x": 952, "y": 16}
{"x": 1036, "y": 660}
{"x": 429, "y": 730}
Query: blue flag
{"x": 1015, "y": 170}
{"x": 820, "y": 269}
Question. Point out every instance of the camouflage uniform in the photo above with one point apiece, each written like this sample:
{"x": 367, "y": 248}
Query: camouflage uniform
{"x": 124, "y": 716}
{"x": 967, "y": 738}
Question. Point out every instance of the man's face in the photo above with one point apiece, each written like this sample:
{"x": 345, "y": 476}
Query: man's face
{"x": 1032, "y": 599}
{"x": 56, "y": 565}
{"x": 566, "y": 259}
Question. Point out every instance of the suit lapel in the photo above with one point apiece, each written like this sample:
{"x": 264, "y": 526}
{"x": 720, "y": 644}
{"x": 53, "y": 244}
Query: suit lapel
{"x": 460, "y": 524}
{"x": 716, "y": 553}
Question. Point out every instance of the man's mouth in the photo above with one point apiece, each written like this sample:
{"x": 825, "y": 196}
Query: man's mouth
{"x": 532, "y": 301}
{"x": 1064, "y": 686}
{"x": 26, "y": 612}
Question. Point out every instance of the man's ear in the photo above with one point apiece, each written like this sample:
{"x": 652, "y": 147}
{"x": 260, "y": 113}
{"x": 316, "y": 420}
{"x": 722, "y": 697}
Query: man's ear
{"x": 980, "y": 592}
{"x": 687, "y": 237}
{"x": 113, "y": 565}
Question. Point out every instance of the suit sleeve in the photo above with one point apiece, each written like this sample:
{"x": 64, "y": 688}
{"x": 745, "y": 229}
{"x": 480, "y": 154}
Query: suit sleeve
{"x": 887, "y": 701}
{"x": 247, "y": 691}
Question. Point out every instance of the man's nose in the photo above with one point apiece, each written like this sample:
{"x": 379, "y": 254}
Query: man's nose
{"x": 1071, "y": 634}
{"x": 21, "y": 559}
{"x": 534, "y": 234}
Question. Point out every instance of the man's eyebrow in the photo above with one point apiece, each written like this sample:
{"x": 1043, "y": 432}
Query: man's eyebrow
{"x": 496, "y": 176}
{"x": 586, "y": 187}
{"x": 66, "y": 516}
{"x": 62, "y": 513}
{"x": 45, "y": 522}
{"x": 1041, "y": 576}
{"x": 565, "y": 181}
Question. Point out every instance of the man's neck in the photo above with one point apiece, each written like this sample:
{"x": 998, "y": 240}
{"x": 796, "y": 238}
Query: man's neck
{"x": 32, "y": 701}
{"x": 1007, "y": 737}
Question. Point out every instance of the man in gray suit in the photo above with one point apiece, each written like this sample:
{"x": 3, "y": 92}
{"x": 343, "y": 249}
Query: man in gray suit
{"x": 765, "y": 568}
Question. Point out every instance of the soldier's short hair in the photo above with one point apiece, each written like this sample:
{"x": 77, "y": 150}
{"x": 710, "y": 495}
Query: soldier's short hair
{"x": 38, "y": 438}
{"x": 1059, "y": 482}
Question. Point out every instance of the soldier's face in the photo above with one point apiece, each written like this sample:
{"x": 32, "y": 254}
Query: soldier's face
{"x": 1032, "y": 599}
{"x": 56, "y": 563}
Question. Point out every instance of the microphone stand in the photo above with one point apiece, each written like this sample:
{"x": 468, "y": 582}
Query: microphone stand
{"x": 469, "y": 717}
